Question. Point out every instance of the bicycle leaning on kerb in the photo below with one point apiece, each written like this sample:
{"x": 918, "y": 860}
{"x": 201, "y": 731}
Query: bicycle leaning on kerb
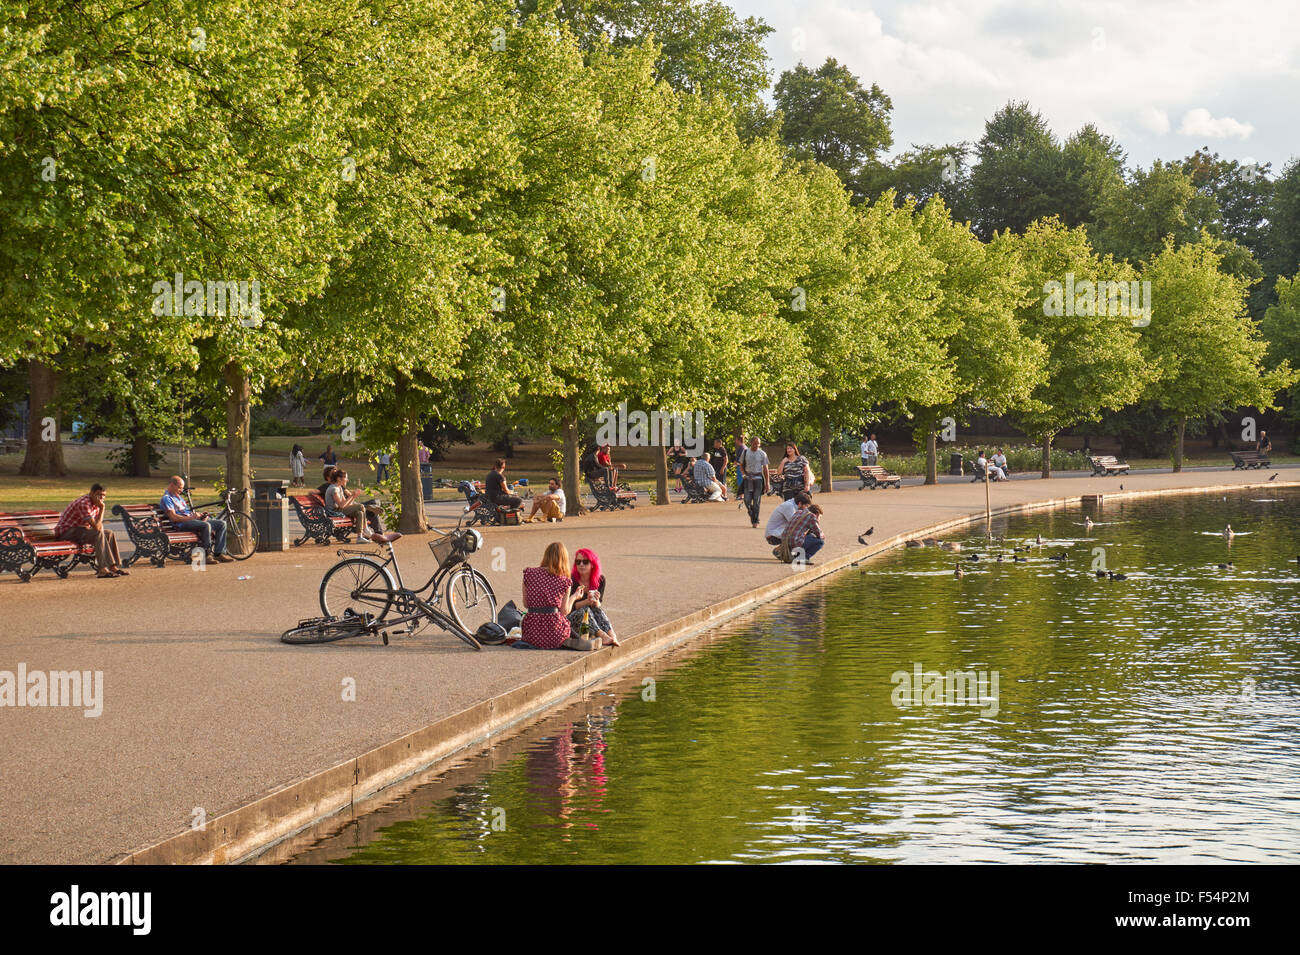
{"x": 358, "y": 594}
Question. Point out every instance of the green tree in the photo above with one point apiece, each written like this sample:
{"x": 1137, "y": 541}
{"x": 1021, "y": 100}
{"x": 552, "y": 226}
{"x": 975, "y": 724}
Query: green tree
{"x": 829, "y": 116}
{"x": 1204, "y": 352}
{"x": 1092, "y": 359}
{"x": 1018, "y": 175}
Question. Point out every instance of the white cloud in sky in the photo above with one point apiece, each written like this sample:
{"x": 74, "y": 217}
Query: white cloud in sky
{"x": 1230, "y": 68}
{"x": 1199, "y": 122}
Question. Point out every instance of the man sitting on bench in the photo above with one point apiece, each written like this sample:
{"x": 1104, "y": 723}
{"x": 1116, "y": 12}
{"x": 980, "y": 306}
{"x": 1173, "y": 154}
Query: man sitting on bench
{"x": 496, "y": 489}
{"x": 994, "y": 472}
{"x": 211, "y": 530}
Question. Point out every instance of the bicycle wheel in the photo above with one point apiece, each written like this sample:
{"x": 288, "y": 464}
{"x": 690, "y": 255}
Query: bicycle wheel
{"x": 241, "y": 535}
{"x": 358, "y": 584}
{"x": 470, "y": 599}
{"x": 324, "y": 632}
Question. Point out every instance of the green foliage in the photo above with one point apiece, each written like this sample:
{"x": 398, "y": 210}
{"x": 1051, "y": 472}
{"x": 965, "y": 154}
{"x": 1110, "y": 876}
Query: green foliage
{"x": 828, "y": 115}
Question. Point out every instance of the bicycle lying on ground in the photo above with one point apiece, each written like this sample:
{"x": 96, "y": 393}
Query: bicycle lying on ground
{"x": 241, "y": 532}
{"x": 358, "y": 593}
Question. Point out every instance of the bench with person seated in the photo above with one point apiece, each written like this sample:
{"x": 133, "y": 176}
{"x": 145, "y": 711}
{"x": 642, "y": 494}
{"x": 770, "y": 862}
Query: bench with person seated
{"x": 317, "y": 525}
{"x": 28, "y": 545}
{"x": 1246, "y": 460}
{"x": 977, "y": 475}
{"x": 1105, "y": 464}
{"x": 874, "y": 476}
{"x": 154, "y": 535}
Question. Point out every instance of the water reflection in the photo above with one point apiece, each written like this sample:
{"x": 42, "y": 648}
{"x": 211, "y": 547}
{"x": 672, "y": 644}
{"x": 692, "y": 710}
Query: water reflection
{"x": 1152, "y": 718}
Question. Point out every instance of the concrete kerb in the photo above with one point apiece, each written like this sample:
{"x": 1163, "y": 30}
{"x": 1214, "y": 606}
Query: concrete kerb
{"x": 255, "y": 827}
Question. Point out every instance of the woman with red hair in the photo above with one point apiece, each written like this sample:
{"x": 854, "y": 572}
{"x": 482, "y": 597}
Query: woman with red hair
{"x": 589, "y": 589}
{"x": 548, "y": 598}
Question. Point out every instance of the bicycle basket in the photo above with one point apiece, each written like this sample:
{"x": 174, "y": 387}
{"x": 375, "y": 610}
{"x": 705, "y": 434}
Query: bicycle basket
{"x": 443, "y": 549}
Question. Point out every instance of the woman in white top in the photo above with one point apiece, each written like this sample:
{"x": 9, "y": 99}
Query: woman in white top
{"x": 297, "y": 465}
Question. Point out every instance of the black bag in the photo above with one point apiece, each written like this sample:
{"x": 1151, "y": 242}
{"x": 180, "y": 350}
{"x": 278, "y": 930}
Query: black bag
{"x": 510, "y": 616}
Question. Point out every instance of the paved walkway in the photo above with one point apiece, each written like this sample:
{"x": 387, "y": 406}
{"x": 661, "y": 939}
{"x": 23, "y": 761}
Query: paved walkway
{"x": 204, "y": 709}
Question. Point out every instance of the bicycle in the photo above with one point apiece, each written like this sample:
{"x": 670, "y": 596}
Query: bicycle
{"x": 358, "y": 593}
{"x": 241, "y": 533}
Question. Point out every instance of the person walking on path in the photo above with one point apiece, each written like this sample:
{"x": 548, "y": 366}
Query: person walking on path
{"x": 211, "y": 530}
{"x": 757, "y": 477}
{"x": 796, "y": 473}
{"x": 297, "y": 466}
{"x": 328, "y": 456}
{"x": 736, "y": 454}
{"x": 82, "y": 522}
{"x": 381, "y": 468}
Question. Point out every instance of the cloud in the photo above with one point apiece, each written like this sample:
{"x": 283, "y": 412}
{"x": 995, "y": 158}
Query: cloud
{"x": 1156, "y": 120}
{"x": 1198, "y": 122}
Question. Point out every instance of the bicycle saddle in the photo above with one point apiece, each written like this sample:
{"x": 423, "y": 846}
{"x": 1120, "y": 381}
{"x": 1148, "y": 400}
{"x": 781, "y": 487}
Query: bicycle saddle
{"x": 386, "y": 538}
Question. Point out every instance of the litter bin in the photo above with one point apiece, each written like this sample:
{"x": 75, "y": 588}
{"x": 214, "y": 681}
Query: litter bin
{"x": 955, "y": 465}
{"x": 271, "y": 514}
{"x": 426, "y": 482}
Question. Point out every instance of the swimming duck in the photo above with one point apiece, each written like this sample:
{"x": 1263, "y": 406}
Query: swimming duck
{"x": 973, "y": 557}
{"x": 1115, "y": 576}
{"x": 1060, "y": 556}
{"x": 1087, "y": 523}
{"x": 957, "y": 571}
{"x": 1101, "y": 573}
{"x": 951, "y": 547}
{"x": 915, "y": 544}
{"x": 1227, "y": 566}
{"x": 1227, "y": 531}
{"x": 1021, "y": 560}
{"x": 930, "y": 541}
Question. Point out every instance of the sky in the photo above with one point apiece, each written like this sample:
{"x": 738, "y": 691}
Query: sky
{"x": 1163, "y": 77}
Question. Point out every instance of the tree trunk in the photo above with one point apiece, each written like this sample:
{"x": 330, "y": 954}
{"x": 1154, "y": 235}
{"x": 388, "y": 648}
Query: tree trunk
{"x": 572, "y": 489}
{"x": 140, "y": 448}
{"x": 1180, "y": 428}
{"x": 1047, "y": 455}
{"x": 828, "y": 461}
{"x": 661, "y": 474}
{"x": 408, "y": 467}
{"x": 931, "y": 458}
{"x": 238, "y": 396}
{"x": 44, "y": 458}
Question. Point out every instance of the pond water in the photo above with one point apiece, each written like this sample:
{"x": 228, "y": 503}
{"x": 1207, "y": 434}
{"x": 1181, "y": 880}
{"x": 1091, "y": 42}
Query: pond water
{"x": 1025, "y": 712}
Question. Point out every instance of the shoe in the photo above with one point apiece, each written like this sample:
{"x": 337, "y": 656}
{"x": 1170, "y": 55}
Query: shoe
{"x": 224, "y": 559}
{"x": 755, "y": 523}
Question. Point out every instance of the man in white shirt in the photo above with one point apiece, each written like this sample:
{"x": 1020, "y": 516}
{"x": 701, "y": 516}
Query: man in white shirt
{"x": 1000, "y": 460}
{"x": 552, "y": 504}
{"x": 869, "y": 451}
{"x": 994, "y": 472}
{"x": 783, "y": 515}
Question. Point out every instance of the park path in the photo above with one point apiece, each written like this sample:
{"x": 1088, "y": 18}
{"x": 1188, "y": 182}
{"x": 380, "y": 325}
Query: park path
{"x": 205, "y": 710}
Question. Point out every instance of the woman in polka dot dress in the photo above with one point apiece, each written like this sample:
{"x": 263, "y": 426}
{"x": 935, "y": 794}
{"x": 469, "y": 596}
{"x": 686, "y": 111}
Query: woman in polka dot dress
{"x": 546, "y": 587}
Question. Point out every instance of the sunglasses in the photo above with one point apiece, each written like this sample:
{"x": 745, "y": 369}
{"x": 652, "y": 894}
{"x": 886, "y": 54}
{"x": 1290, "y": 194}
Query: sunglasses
{"x": 582, "y": 560}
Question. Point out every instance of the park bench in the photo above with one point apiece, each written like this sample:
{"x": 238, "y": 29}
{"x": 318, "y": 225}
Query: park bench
{"x": 874, "y": 476}
{"x": 28, "y": 545}
{"x": 154, "y": 535}
{"x": 1244, "y": 460}
{"x": 1105, "y": 464}
{"x": 316, "y": 524}
{"x": 13, "y": 446}
{"x": 977, "y": 475}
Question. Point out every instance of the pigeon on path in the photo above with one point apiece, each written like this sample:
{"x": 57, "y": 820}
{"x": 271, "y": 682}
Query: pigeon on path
{"x": 862, "y": 538}
{"x": 1273, "y": 476}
